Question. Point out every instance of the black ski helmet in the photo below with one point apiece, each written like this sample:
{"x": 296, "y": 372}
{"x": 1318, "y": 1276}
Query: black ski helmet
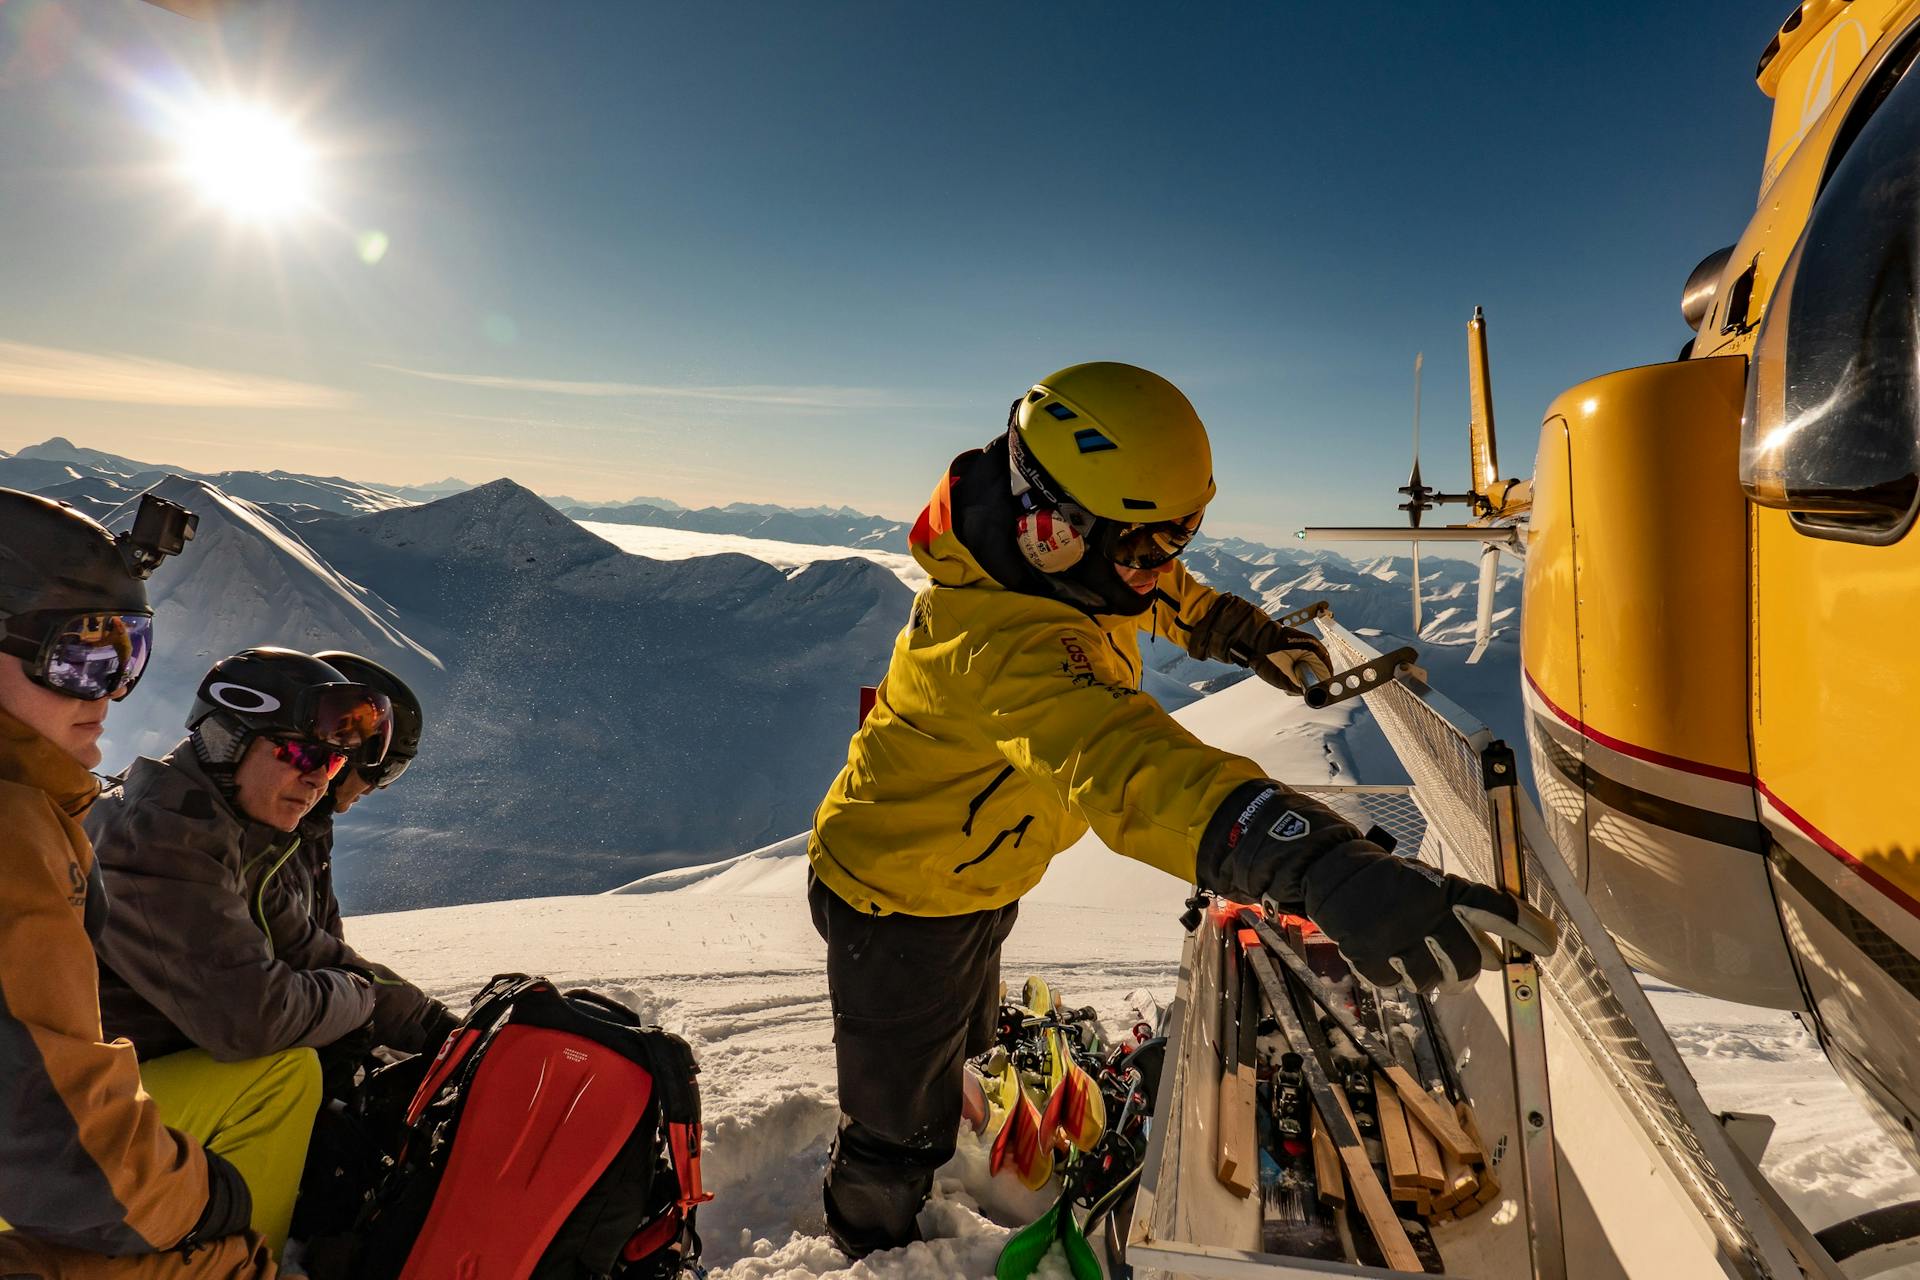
{"x": 408, "y": 719}
{"x": 58, "y": 566}
{"x": 284, "y": 692}
{"x": 52, "y": 558}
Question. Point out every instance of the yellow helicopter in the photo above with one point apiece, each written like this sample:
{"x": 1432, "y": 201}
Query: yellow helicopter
{"x": 1720, "y": 585}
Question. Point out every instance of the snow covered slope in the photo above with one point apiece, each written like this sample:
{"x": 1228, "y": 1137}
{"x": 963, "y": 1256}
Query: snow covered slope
{"x": 596, "y": 715}
{"x": 601, "y": 714}
{"x": 727, "y": 956}
{"x": 245, "y": 579}
{"x": 668, "y": 543}
{"x": 592, "y": 714}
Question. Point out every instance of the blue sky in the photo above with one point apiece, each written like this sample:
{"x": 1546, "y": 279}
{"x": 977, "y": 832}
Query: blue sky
{"x": 807, "y": 252}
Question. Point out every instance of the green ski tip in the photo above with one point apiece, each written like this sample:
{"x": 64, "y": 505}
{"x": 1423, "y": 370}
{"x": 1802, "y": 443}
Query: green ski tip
{"x": 1030, "y": 1245}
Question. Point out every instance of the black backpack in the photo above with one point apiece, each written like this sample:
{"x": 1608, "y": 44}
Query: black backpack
{"x": 552, "y": 1138}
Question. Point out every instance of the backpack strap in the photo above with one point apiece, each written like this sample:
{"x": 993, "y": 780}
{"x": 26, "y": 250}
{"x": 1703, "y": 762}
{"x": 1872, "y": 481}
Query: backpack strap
{"x": 676, "y": 1081}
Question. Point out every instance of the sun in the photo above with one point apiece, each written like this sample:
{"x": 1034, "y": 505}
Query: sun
{"x": 246, "y": 161}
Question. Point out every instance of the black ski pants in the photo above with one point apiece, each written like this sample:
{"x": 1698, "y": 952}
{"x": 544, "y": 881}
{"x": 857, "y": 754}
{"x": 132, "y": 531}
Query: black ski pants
{"x": 913, "y": 998}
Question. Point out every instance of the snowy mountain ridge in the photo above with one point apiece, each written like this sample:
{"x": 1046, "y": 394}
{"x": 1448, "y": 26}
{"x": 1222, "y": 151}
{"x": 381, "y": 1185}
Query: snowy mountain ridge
{"x": 594, "y": 714}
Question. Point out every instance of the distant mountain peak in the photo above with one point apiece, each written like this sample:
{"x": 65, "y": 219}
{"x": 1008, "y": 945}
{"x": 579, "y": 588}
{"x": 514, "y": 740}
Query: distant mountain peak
{"x": 498, "y": 520}
{"x": 498, "y": 495}
{"x": 61, "y": 449}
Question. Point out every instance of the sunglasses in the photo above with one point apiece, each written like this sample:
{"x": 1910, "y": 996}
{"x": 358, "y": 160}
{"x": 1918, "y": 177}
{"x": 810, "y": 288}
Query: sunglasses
{"x": 88, "y": 656}
{"x": 309, "y": 757}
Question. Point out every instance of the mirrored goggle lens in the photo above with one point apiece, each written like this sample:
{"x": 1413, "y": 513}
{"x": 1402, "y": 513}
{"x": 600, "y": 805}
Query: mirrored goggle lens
{"x": 355, "y": 718}
{"x": 1148, "y": 546}
{"x": 310, "y": 757}
{"x": 97, "y": 655}
{"x": 383, "y": 775}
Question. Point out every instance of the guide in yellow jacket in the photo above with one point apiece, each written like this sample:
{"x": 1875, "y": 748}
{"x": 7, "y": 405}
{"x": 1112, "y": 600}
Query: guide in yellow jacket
{"x": 1011, "y": 720}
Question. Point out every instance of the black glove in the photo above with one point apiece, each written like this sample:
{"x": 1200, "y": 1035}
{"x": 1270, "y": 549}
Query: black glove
{"x": 1400, "y": 922}
{"x": 405, "y": 1017}
{"x": 229, "y": 1205}
{"x": 1238, "y": 631}
{"x": 1397, "y": 920}
{"x": 342, "y": 1061}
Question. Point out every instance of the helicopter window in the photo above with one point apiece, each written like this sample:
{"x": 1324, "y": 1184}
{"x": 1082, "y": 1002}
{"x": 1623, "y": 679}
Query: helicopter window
{"x": 1832, "y": 428}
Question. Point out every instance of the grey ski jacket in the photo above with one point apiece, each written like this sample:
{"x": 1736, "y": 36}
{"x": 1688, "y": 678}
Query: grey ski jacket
{"x": 189, "y": 956}
{"x": 303, "y": 919}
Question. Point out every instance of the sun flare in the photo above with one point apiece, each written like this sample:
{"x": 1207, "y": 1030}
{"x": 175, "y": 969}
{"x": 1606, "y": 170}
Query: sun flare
{"x": 246, "y": 161}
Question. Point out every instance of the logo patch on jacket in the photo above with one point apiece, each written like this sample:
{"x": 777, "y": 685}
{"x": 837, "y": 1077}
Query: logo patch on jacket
{"x": 1290, "y": 827}
{"x": 1078, "y": 667}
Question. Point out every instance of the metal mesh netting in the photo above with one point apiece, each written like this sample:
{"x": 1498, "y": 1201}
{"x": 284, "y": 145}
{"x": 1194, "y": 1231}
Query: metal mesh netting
{"x": 1392, "y": 807}
{"x": 1440, "y": 746}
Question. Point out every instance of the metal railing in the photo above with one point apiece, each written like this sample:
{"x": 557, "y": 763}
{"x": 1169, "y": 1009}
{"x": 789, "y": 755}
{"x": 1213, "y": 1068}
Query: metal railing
{"x": 1442, "y": 748}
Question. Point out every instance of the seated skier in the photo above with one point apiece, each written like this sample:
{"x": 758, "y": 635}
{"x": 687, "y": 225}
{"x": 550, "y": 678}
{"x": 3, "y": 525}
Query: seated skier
{"x": 191, "y": 968}
{"x": 98, "y": 1176}
{"x": 299, "y": 904}
{"x": 1011, "y": 720}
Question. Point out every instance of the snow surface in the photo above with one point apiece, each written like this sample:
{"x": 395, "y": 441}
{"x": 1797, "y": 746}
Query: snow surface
{"x": 659, "y": 543}
{"x": 726, "y": 955}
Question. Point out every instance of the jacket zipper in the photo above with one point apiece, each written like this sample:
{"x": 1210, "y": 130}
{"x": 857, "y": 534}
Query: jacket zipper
{"x": 260, "y": 895}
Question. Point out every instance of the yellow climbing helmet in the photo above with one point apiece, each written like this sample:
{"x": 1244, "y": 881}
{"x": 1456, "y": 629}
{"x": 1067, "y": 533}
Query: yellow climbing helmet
{"x": 1123, "y": 442}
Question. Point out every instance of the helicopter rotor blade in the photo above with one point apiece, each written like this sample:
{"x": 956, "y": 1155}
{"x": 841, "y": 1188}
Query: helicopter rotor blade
{"x": 1416, "y": 492}
{"x": 1416, "y": 588}
{"x": 1483, "y": 617}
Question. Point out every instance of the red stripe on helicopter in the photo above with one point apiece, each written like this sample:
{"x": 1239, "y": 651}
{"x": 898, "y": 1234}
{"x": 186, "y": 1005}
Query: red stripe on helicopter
{"x": 1880, "y": 883}
{"x": 1647, "y": 754}
{"x": 1886, "y": 887}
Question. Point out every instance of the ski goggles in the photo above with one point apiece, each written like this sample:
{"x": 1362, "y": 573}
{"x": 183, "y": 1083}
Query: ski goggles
{"x": 88, "y": 656}
{"x": 352, "y": 718}
{"x": 1148, "y": 546}
{"x": 384, "y": 773}
{"x": 309, "y": 757}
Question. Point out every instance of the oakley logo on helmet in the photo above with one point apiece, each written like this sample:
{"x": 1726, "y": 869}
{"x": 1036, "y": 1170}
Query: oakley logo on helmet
{"x": 237, "y": 697}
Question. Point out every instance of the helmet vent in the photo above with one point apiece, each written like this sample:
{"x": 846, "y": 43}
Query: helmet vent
{"x": 1135, "y": 504}
{"x": 1091, "y": 441}
{"x": 1035, "y": 396}
{"x": 1061, "y": 411}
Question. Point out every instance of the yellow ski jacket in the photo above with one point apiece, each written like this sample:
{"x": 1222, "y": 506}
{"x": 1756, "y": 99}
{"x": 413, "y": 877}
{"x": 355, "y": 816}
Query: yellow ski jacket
{"x": 1009, "y": 723}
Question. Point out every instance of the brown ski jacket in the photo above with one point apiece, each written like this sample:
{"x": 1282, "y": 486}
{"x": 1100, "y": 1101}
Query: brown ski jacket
{"x": 84, "y": 1158}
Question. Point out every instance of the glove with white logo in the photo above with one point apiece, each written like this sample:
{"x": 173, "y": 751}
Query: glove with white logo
{"x": 1238, "y": 631}
{"x": 1398, "y": 921}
